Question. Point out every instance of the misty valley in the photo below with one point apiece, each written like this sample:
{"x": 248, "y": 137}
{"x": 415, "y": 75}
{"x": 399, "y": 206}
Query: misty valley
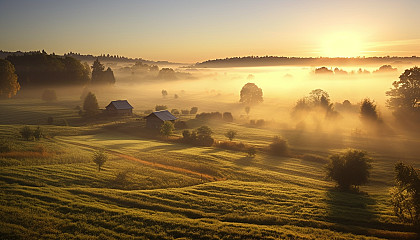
{"x": 109, "y": 147}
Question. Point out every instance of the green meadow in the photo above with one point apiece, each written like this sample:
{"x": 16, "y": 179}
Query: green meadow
{"x": 157, "y": 188}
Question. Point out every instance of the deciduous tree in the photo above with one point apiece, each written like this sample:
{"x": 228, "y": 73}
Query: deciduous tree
{"x": 405, "y": 196}
{"x": 251, "y": 94}
{"x": 100, "y": 157}
{"x": 231, "y": 134}
{"x": 405, "y": 96}
{"x": 351, "y": 168}
{"x": 9, "y": 85}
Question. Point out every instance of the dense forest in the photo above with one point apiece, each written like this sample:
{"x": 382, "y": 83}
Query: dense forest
{"x": 42, "y": 69}
{"x": 252, "y": 61}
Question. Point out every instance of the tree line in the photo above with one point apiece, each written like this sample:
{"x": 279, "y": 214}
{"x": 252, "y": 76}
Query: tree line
{"x": 39, "y": 69}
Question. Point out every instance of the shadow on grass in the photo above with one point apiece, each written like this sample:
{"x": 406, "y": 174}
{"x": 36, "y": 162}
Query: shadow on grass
{"x": 245, "y": 161}
{"x": 350, "y": 208}
{"x": 355, "y": 212}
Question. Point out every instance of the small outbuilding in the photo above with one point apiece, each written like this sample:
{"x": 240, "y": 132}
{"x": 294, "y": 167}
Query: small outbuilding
{"x": 119, "y": 107}
{"x": 156, "y": 119}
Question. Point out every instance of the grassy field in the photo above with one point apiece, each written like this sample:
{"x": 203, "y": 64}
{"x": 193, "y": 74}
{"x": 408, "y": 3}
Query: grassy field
{"x": 156, "y": 189}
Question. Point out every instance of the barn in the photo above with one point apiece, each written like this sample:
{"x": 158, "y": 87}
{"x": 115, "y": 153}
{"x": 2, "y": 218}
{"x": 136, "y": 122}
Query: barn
{"x": 156, "y": 119}
{"x": 119, "y": 107}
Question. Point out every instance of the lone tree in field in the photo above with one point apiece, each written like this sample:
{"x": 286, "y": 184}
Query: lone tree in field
{"x": 368, "y": 111}
{"x": 100, "y": 157}
{"x": 167, "y": 128}
{"x": 251, "y": 94}
{"x": 405, "y": 196}
{"x": 9, "y": 85}
{"x": 26, "y": 133}
{"x": 164, "y": 93}
{"x": 348, "y": 169}
{"x": 231, "y": 134}
{"x": 405, "y": 96}
{"x": 90, "y": 105}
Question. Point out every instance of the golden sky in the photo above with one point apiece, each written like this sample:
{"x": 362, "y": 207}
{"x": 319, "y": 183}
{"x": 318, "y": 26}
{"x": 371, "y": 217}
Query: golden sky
{"x": 192, "y": 31}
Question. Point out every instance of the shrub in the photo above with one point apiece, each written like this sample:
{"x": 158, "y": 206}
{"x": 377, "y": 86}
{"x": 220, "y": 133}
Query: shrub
{"x": 209, "y": 116}
{"x": 160, "y": 107}
{"x": 6, "y": 146}
{"x": 231, "y": 134}
{"x": 186, "y": 135}
{"x": 175, "y": 111}
{"x": 204, "y": 136}
{"x": 26, "y": 133}
{"x": 279, "y": 146}
{"x": 49, "y": 95}
{"x": 121, "y": 178}
{"x": 100, "y": 157}
{"x": 180, "y": 125}
{"x": 37, "y": 133}
{"x": 351, "y": 168}
{"x": 167, "y": 128}
{"x": 251, "y": 151}
{"x": 227, "y": 116}
{"x": 90, "y": 105}
{"x": 194, "y": 110}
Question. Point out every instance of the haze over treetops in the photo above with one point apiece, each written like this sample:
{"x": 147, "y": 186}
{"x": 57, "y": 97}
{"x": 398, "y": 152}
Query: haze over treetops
{"x": 194, "y": 31}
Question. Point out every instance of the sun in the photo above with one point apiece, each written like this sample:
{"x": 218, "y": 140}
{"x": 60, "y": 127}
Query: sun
{"x": 342, "y": 45}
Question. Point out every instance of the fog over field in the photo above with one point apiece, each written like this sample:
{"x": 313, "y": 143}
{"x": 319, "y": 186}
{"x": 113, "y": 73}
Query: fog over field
{"x": 222, "y": 120}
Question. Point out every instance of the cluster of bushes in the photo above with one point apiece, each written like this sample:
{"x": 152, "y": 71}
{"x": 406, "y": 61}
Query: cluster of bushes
{"x": 226, "y": 116}
{"x": 160, "y": 107}
{"x": 193, "y": 110}
{"x": 251, "y": 151}
{"x": 174, "y": 110}
{"x": 201, "y": 136}
{"x": 28, "y": 134}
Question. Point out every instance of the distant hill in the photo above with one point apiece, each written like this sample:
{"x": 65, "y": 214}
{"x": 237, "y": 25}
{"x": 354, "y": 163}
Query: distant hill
{"x": 91, "y": 58}
{"x": 254, "y": 61}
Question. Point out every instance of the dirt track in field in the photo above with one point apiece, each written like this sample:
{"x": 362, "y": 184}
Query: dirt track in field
{"x": 151, "y": 164}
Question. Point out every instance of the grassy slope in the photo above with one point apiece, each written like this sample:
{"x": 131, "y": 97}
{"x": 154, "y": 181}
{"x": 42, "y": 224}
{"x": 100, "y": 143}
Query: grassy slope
{"x": 61, "y": 194}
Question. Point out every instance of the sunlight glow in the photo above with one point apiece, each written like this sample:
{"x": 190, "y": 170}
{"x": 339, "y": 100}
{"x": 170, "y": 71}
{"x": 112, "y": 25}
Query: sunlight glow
{"x": 342, "y": 45}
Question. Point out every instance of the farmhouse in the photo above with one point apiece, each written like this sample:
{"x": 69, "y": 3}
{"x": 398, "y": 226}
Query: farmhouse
{"x": 156, "y": 119}
{"x": 119, "y": 107}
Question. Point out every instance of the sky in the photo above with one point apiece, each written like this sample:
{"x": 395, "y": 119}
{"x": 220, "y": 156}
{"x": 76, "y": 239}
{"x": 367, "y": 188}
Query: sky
{"x": 197, "y": 30}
